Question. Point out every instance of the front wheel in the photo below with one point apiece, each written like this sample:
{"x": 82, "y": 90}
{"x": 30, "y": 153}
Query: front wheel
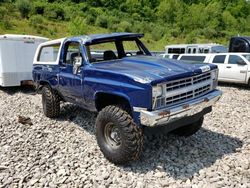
{"x": 190, "y": 129}
{"x": 51, "y": 102}
{"x": 118, "y": 137}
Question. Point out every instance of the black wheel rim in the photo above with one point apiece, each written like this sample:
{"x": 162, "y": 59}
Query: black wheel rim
{"x": 112, "y": 135}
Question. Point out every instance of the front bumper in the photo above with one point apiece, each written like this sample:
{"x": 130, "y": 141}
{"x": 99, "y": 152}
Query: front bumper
{"x": 174, "y": 113}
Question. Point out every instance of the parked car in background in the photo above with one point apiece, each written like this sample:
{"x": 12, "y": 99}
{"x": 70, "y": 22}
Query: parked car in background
{"x": 195, "y": 48}
{"x": 129, "y": 91}
{"x": 16, "y": 58}
{"x": 233, "y": 67}
{"x": 169, "y": 56}
{"x": 239, "y": 44}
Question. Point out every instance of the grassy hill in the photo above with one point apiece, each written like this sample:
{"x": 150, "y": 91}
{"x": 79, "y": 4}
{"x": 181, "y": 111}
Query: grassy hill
{"x": 162, "y": 21}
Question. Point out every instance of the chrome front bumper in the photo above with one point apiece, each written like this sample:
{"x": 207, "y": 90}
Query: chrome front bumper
{"x": 171, "y": 114}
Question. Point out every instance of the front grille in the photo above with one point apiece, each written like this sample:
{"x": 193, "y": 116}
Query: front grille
{"x": 179, "y": 91}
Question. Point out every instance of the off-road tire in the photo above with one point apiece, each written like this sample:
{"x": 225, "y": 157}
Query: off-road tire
{"x": 189, "y": 130}
{"x": 51, "y": 102}
{"x": 131, "y": 136}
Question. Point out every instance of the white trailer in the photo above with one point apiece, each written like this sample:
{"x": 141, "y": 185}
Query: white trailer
{"x": 16, "y": 58}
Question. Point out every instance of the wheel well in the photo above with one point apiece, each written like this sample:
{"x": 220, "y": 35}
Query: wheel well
{"x": 102, "y": 100}
{"x": 44, "y": 83}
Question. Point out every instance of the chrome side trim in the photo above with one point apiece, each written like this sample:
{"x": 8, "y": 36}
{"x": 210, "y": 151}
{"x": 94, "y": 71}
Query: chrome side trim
{"x": 171, "y": 114}
{"x": 138, "y": 109}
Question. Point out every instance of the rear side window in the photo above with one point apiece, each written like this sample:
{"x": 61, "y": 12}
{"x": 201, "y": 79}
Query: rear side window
{"x": 193, "y": 58}
{"x": 49, "y": 53}
{"x": 176, "y": 50}
{"x": 219, "y": 59}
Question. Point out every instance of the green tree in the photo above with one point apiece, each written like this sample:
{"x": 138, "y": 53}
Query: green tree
{"x": 77, "y": 26}
{"x": 24, "y": 6}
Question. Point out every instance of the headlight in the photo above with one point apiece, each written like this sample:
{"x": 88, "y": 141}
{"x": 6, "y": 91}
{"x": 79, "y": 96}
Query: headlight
{"x": 214, "y": 75}
{"x": 157, "y": 91}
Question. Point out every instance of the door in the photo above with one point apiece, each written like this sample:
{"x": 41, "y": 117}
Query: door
{"x": 71, "y": 75}
{"x": 236, "y": 69}
{"x": 220, "y": 61}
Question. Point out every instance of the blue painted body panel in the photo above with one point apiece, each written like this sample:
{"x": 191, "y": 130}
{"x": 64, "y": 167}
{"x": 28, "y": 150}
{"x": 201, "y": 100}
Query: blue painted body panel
{"x": 129, "y": 77}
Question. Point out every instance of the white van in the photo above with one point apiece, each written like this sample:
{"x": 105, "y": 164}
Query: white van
{"x": 195, "y": 48}
{"x": 169, "y": 56}
{"x": 233, "y": 67}
{"x": 16, "y": 57}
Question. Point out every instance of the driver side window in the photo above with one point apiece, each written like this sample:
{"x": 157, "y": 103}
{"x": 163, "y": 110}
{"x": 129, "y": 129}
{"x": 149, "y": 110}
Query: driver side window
{"x": 234, "y": 59}
{"x": 72, "y": 51}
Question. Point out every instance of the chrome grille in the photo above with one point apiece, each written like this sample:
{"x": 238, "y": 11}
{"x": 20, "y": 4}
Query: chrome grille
{"x": 179, "y": 91}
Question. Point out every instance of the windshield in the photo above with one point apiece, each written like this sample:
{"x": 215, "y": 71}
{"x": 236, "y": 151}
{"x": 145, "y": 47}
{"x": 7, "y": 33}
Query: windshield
{"x": 247, "y": 57}
{"x": 118, "y": 49}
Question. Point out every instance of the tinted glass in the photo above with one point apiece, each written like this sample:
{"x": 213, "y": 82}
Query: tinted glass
{"x": 176, "y": 50}
{"x": 234, "y": 59}
{"x": 219, "y": 59}
{"x": 49, "y": 53}
{"x": 193, "y": 58}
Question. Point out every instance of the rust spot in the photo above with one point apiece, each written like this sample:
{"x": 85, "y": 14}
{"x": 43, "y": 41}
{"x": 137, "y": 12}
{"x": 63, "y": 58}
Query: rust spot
{"x": 164, "y": 113}
{"x": 185, "y": 106}
{"x": 206, "y": 100}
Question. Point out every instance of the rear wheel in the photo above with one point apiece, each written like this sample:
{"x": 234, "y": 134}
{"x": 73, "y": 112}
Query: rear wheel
{"x": 118, "y": 137}
{"x": 51, "y": 102}
{"x": 190, "y": 129}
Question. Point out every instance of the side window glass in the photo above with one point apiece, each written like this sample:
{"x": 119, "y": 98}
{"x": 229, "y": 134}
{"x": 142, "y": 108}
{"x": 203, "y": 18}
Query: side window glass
{"x": 72, "y": 51}
{"x": 219, "y": 59}
{"x": 49, "y": 53}
{"x": 193, "y": 58}
{"x": 176, "y": 50}
{"x": 234, "y": 59}
{"x": 194, "y": 50}
{"x": 206, "y": 51}
{"x": 189, "y": 50}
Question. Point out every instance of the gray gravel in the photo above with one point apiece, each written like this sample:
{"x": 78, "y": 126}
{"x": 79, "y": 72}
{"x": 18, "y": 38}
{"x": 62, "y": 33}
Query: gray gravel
{"x": 64, "y": 152}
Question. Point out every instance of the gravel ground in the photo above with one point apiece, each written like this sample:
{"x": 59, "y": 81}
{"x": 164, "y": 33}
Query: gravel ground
{"x": 64, "y": 152}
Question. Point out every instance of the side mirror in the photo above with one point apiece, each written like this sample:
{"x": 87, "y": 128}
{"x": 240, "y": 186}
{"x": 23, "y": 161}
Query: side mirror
{"x": 241, "y": 62}
{"x": 77, "y": 63}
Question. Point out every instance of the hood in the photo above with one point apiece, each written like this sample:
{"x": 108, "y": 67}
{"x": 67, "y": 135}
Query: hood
{"x": 149, "y": 69}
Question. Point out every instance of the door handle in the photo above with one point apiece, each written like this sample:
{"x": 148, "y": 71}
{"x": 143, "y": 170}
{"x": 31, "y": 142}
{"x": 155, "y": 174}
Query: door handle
{"x": 63, "y": 68}
{"x": 229, "y": 67}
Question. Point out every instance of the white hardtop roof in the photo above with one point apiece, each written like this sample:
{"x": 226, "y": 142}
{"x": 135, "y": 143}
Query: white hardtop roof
{"x": 185, "y": 45}
{"x": 21, "y": 37}
{"x": 56, "y": 41}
